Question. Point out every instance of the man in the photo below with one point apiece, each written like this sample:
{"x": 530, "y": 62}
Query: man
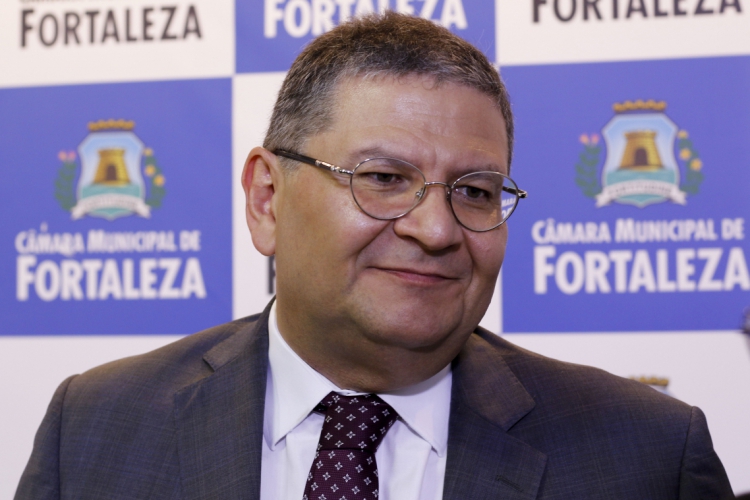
{"x": 382, "y": 191}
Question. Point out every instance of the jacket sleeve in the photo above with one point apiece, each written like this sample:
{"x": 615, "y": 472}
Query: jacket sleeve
{"x": 702, "y": 476}
{"x": 41, "y": 478}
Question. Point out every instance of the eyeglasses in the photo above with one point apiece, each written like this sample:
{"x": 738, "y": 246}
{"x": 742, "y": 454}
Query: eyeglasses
{"x": 388, "y": 188}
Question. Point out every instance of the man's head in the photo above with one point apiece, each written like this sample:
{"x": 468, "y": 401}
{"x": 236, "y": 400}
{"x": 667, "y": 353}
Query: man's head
{"x": 379, "y": 304}
{"x": 369, "y": 47}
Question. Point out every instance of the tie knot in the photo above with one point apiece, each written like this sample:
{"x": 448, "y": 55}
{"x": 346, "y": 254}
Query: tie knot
{"x": 354, "y": 422}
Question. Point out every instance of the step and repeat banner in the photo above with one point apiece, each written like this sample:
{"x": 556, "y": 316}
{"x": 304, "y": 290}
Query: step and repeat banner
{"x": 124, "y": 126}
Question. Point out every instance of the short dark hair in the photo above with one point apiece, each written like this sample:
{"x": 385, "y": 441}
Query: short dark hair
{"x": 387, "y": 44}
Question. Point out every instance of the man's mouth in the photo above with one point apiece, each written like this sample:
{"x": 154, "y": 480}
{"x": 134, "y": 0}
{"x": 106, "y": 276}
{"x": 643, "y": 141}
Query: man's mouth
{"x": 417, "y": 275}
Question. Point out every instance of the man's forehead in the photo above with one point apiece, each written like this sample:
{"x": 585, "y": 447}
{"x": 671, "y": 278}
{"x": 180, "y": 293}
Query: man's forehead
{"x": 352, "y": 86}
{"x": 382, "y": 112}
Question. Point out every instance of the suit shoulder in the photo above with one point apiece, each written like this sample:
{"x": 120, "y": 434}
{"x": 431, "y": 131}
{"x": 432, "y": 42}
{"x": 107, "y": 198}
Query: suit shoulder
{"x": 558, "y": 385}
{"x": 163, "y": 370}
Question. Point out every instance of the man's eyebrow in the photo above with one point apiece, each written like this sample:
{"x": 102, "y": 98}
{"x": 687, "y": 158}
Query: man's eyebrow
{"x": 460, "y": 171}
{"x": 457, "y": 171}
{"x": 363, "y": 154}
{"x": 483, "y": 167}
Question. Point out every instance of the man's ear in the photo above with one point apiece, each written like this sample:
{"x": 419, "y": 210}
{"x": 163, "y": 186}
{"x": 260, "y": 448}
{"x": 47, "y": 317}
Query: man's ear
{"x": 261, "y": 179}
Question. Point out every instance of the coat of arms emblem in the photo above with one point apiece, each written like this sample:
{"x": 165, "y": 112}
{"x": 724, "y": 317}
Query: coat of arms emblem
{"x": 111, "y": 183}
{"x": 641, "y": 167}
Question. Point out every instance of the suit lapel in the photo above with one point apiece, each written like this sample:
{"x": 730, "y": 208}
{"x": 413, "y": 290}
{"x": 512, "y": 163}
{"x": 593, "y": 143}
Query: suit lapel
{"x": 219, "y": 424}
{"x": 484, "y": 461}
{"x": 219, "y": 419}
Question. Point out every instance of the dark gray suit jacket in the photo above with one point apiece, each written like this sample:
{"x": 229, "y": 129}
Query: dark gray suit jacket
{"x": 186, "y": 421}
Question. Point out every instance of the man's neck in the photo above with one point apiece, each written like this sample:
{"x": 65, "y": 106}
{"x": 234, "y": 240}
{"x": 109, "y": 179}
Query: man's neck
{"x": 353, "y": 362}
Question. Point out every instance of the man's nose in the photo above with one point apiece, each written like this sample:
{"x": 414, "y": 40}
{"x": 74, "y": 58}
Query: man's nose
{"x": 431, "y": 223}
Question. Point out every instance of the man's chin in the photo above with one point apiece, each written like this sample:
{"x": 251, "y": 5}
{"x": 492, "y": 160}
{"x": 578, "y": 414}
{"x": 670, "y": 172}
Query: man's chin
{"x": 415, "y": 329}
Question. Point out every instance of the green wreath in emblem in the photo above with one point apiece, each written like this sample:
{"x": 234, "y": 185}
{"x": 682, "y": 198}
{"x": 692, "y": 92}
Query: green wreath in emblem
{"x": 587, "y": 176}
{"x": 155, "y": 179}
{"x": 691, "y": 163}
{"x": 66, "y": 175}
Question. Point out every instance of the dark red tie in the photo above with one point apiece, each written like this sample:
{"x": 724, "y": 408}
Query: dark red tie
{"x": 344, "y": 467}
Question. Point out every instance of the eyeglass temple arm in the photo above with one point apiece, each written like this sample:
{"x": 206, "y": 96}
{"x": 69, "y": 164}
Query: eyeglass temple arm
{"x": 518, "y": 192}
{"x": 333, "y": 168}
{"x": 311, "y": 161}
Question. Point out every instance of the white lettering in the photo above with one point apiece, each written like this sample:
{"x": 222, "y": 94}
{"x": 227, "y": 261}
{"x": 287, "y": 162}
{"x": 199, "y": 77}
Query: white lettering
{"x": 304, "y": 17}
{"x": 290, "y": 18}
{"x": 593, "y": 270}
{"x": 110, "y": 283}
{"x": 64, "y": 280}
{"x": 345, "y": 9}
{"x": 633, "y": 231}
{"x": 663, "y": 284}
{"x": 142, "y": 241}
{"x": 641, "y": 274}
{"x": 542, "y": 268}
{"x": 322, "y": 16}
{"x": 271, "y": 17}
{"x": 685, "y": 269}
{"x": 736, "y": 273}
{"x": 21, "y": 242}
{"x": 92, "y": 267}
{"x": 712, "y": 256}
{"x": 67, "y": 244}
{"x": 129, "y": 291}
{"x": 71, "y": 273}
{"x": 453, "y": 15}
{"x": 148, "y": 278}
{"x": 733, "y": 229}
{"x": 573, "y": 285}
{"x": 190, "y": 241}
{"x": 705, "y": 230}
{"x": 192, "y": 281}
{"x": 428, "y": 8}
{"x": 546, "y": 232}
{"x": 171, "y": 267}
{"x": 364, "y": 7}
{"x": 24, "y": 275}
{"x": 621, "y": 259}
{"x": 404, "y": 7}
{"x": 597, "y": 266}
{"x": 44, "y": 290}
{"x": 536, "y": 232}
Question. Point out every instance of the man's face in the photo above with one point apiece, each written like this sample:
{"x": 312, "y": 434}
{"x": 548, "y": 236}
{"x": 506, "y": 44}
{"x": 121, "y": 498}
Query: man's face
{"x": 418, "y": 282}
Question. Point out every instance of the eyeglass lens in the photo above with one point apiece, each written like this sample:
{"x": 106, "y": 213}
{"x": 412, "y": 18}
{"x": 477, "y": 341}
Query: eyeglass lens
{"x": 387, "y": 188}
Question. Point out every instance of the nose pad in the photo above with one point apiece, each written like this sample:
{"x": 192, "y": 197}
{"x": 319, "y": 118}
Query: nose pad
{"x": 434, "y": 225}
{"x": 420, "y": 195}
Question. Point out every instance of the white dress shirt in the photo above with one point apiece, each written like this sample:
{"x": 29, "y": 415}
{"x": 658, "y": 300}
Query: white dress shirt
{"x": 411, "y": 459}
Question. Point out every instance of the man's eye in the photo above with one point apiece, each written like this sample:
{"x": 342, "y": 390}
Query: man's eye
{"x": 473, "y": 193}
{"x": 384, "y": 177}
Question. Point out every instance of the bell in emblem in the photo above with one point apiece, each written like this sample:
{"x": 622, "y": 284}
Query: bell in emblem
{"x": 640, "y": 152}
{"x": 112, "y": 170}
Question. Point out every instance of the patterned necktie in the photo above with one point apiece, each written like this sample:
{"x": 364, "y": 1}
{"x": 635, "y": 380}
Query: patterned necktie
{"x": 344, "y": 467}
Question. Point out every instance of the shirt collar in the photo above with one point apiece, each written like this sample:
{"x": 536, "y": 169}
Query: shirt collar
{"x": 295, "y": 389}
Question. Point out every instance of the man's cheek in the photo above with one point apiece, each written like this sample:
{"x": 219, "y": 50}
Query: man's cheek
{"x": 487, "y": 257}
